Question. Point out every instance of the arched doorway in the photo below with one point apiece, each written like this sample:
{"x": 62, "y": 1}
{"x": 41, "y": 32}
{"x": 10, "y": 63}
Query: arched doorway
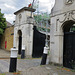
{"x": 69, "y": 44}
{"x": 20, "y": 41}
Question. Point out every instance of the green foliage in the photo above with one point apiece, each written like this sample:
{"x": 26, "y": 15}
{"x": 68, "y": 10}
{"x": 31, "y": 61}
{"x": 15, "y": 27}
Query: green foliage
{"x": 2, "y": 23}
{"x": 72, "y": 29}
{"x": 1, "y": 31}
{"x": 42, "y": 19}
{"x": 2, "y": 73}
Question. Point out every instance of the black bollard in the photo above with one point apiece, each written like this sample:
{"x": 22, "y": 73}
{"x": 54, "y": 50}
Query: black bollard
{"x": 13, "y": 64}
{"x": 13, "y": 60}
{"x": 23, "y": 52}
{"x": 44, "y": 57}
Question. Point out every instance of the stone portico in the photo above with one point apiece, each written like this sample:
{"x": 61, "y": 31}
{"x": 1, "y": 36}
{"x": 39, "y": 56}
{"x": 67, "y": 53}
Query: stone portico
{"x": 62, "y": 17}
{"x": 23, "y": 32}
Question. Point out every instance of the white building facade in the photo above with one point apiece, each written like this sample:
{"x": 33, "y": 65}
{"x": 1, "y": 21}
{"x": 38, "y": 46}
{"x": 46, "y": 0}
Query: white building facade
{"x": 62, "y": 18}
{"x": 23, "y": 29}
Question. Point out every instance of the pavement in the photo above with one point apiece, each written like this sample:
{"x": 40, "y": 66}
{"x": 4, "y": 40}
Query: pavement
{"x": 47, "y": 70}
{"x": 4, "y": 54}
{"x": 31, "y": 67}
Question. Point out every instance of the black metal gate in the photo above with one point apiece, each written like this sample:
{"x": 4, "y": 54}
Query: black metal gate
{"x": 69, "y": 50}
{"x": 38, "y": 43}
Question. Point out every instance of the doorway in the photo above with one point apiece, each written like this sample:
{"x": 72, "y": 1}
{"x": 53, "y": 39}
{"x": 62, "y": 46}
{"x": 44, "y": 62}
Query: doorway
{"x": 69, "y": 45}
{"x": 20, "y": 42}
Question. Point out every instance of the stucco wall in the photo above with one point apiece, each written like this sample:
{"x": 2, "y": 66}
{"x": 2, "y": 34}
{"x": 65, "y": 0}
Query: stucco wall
{"x": 60, "y": 14}
{"x": 27, "y": 32}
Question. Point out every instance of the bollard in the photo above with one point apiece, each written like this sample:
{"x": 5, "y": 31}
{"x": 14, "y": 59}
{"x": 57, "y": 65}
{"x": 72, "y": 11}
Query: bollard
{"x": 23, "y": 52}
{"x": 13, "y": 60}
{"x": 44, "y": 57}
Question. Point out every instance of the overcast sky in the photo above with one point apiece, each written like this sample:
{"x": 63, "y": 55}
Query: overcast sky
{"x": 8, "y": 7}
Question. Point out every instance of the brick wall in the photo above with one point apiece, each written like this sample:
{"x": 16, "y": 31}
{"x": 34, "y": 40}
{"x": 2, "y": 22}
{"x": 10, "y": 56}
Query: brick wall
{"x": 7, "y": 38}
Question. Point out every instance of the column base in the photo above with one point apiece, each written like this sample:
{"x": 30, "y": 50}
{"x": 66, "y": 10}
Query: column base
{"x": 55, "y": 64}
{"x": 28, "y": 56}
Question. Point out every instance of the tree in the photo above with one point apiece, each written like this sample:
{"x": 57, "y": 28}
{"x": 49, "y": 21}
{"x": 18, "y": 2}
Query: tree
{"x": 3, "y": 23}
{"x": 42, "y": 20}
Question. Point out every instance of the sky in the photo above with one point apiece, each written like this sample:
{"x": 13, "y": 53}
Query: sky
{"x": 8, "y": 7}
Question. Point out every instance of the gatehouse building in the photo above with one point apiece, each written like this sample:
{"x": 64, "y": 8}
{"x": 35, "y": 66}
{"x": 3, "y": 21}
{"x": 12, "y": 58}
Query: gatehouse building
{"x": 62, "y": 34}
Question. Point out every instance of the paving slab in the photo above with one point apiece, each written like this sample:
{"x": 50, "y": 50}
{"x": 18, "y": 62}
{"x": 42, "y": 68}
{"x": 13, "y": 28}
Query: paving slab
{"x": 27, "y": 69}
{"x": 4, "y": 54}
{"x": 31, "y": 67}
{"x": 46, "y": 70}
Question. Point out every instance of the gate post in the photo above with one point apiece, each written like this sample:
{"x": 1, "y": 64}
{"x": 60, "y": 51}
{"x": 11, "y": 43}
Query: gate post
{"x": 13, "y": 60}
{"x": 44, "y": 57}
